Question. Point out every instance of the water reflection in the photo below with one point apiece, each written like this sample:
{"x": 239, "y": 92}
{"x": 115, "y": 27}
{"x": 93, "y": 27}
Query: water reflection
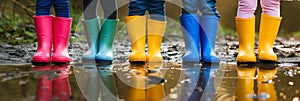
{"x": 96, "y": 82}
{"x": 147, "y": 83}
{"x": 203, "y": 77}
{"x": 53, "y": 83}
{"x": 245, "y": 90}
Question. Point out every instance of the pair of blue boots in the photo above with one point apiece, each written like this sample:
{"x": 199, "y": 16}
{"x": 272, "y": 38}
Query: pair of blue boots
{"x": 200, "y": 31}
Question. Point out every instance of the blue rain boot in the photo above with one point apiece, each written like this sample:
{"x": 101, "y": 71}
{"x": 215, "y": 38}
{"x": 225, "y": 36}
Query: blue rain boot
{"x": 191, "y": 31}
{"x": 106, "y": 38}
{"x": 92, "y": 28}
{"x": 209, "y": 28}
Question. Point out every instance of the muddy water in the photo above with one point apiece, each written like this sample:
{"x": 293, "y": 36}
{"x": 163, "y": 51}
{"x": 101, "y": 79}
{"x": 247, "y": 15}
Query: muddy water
{"x": 152, "y": 82}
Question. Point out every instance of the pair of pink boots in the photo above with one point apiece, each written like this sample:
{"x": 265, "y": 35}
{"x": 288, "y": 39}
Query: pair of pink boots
{"x": 50, "y": 30}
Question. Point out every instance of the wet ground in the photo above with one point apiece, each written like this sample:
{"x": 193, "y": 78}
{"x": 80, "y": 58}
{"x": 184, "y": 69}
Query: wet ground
{"x": 287, "y": 50}
{"x": 151, "y": 82}
{"x": 170, "y": 81}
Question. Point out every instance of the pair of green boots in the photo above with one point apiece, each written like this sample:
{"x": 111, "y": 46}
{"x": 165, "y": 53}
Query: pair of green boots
{"x": 100, "y": 39}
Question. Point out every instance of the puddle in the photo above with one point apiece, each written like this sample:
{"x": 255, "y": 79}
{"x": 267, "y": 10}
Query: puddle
{"x": 150, "y": 82}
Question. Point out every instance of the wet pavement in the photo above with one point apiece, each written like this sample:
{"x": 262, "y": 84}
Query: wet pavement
{"x": 170, "y": 81}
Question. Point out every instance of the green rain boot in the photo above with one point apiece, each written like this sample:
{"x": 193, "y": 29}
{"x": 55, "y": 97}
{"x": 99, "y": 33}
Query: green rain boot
{"x": 107, "y": 35}
{"x": 92, "y": 29}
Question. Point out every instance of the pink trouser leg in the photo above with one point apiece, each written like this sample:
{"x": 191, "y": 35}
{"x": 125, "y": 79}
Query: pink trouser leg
{"x": 246, "y": 8}
{"x": 271, "y": 7}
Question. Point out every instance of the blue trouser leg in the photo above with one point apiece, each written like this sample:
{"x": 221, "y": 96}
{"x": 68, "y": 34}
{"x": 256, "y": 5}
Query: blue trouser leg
{"x": 43, "y": 7}
{"x": 62, "y": 8}
{"x": 207, "y": 7}
{"x": 137, "y": 7}
{"x": 156, "y": 9}
{"x": 191, "y": 31}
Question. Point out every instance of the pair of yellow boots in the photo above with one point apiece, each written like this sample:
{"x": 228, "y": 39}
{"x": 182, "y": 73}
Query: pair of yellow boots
{"x": 245, "y": 28}
{"x": 136, "y": 26}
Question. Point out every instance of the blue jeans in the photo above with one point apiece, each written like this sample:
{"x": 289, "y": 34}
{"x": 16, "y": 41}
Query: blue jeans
{"x": 206, "y": 7}
{"x": 62, "y": 7}
{"x": 156, "y": 8}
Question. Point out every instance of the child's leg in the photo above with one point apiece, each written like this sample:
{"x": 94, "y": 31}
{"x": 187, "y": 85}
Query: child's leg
{"x": 271, "y": 7}
{"x": 61, "y": 31}
{"x": 43, "y": 7}
{"x": 245, "y": 27}
{"x": 90, "y": 9}
{"x": 156, "y": 29}
{"x": 269, "y": 26}
{"x": 136, "y": 26}
{"x": 62, "y": 8}
{"x": 43, "y": 25}
{"x": 189, "y": 20}
{"x": 209, "y": 21}
{"x": 92, "y": 28}
{"x": 246, "y": 8}
{"x": 108, "y": 30}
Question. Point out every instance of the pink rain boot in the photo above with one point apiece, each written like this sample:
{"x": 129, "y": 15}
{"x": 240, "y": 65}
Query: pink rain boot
{"x": 62, "y": 27}
{"x": 43, "y": 27}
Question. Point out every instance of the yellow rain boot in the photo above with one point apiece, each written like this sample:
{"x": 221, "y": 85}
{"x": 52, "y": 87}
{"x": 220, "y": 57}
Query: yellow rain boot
{"x": 245, "y": 28}
{"x": 269, "y": 27}
{"x": 156, "y": 31}
{"x": 136, "y": 26}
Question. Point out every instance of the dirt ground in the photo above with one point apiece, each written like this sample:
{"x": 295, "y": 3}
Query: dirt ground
{"x": 287, "y": 50}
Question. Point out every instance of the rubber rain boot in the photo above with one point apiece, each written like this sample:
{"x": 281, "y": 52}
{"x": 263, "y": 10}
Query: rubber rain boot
{"x": 136, "y": 26}
{"x": 106, "y": 39}
{"x": 92, "y": 29}
{"x": 62, "y": 28}
{"x": 245, "y": 28}
{"x": 44, "y": 31}
{"x": 156, "y": 31}
{"x": 208, "y": 32}
{"x": 269, "y": 27}
{"x": 191, "y": 32}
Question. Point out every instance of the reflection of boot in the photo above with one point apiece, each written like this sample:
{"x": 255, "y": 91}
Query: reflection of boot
{"x": 269, "y": 27}
{"x": 209, "y": 28}
{"x": 265, "y": 87}
{"x": 61, "y": 84}
{"x": 245, "y": 28}
{"x": 62, "y": 28}
{"x": 138, "y": 86}
{"x": 190, "y": 91}
{"x": 156, "y": 31}
{"x": 43, "y": 27}
{"x": 155, "y": 88}
{"x": 191, "y": 31}
{"x": 136, "y": 26}
{"x": 92, "y": 28}
{"x": 44, "y": 87}
{"x": 108, "y": 85}
{"x": 245, "y": 84}
{"x": 106, "y": 38}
